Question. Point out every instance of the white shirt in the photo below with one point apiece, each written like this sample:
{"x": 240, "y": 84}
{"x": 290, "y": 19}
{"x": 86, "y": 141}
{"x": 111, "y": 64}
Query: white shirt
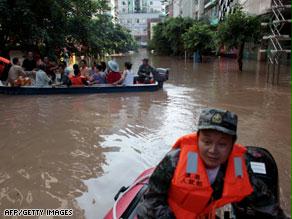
{"x": 41, "y": 78}
{"x": 212, "y": 173}
{"x": 129, "y": 78}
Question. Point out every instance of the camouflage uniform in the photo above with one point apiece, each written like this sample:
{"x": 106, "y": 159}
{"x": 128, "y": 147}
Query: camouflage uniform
{"x": 262, "y": 203}
{"x": 144, "y": 73}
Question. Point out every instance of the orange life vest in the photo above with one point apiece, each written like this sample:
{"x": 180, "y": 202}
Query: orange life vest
{"x": 79, "y": 80}
{"x": 190, "y": 191}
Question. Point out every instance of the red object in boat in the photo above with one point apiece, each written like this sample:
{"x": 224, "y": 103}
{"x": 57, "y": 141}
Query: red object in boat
{"x": 3, "y": 63}
{"x": 6, "y": 61}
{"x": 126, "y": 199}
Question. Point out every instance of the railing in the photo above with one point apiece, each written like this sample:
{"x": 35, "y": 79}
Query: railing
{"x": 277, "y": 48}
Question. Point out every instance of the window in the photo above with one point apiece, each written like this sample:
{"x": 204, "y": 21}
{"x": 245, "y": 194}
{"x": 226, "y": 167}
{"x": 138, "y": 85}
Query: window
{"x": 138, "y": 21}
{"x": 124, "y": 3}
{"x": 151, "y": 3}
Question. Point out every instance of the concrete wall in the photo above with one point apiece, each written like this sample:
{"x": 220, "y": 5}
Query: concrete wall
{"x": 256, "y": 7}
{"x": 137, "y": 22}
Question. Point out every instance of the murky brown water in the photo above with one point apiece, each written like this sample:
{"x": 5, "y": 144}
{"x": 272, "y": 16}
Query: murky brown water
{"x": 77, "y": 151}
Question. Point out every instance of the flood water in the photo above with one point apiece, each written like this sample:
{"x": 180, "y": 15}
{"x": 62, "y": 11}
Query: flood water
{"x": 76, "y": 151}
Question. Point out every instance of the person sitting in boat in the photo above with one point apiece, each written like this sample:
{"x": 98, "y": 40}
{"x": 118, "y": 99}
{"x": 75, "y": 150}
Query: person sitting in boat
{"x": 17, "y": 76}
{"x": 84, "y": 70}
{"x": 127, "y": 77}
{"x": 64, "y": 72}
{"x": 104, "y": 68}
{"x": 97, "y": 77}
{"x": 113, "y": 74}
{"x": 15, "y": 71}
{"x": 50, "y": 67}
{"x": 29, "y": 63}
{"x": 41, "y": 77}
{"x": 77, "y": 79}
{"x": 144, "y": 72}
{"x": 205, "y": 171}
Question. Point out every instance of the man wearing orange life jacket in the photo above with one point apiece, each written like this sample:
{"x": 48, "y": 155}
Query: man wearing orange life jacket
{"x": 204, "y": 171}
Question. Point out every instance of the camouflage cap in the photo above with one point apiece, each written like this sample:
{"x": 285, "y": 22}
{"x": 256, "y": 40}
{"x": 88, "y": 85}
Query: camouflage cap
{"x": 220, "y": 120}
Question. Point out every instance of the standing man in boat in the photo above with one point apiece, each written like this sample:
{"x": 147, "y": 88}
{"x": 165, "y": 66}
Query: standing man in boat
{"x": 205, "y": 171}
{"x": 145, "y": 71}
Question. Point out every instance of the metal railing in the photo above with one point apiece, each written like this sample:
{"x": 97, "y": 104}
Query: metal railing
{"x": 277, "y": 48}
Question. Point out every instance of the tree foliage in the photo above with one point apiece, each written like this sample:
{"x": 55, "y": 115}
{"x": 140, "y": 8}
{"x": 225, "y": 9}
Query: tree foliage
{"x": 49, "y": 25}
{"x": 200, "y": 37}
{"x": 167, "y": 37}
{"x": 237, "y": 29}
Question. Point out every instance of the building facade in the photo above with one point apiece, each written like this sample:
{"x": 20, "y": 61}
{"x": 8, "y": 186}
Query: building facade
{"x": 136, "y": 15}
{"x": 214, "y": 10}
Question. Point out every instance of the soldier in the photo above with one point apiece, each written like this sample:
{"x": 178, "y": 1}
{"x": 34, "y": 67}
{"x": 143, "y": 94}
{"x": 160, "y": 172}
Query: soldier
{"x": 205, "y": 171}
{"x": 145, "y": 71}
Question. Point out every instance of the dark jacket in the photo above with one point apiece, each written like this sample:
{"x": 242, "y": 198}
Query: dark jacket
{"x": 145, "y": 70}
{"x": 262, "y": 203}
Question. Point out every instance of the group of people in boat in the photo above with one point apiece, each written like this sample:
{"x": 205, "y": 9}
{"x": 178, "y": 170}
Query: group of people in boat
{"x": 45, "y": 72}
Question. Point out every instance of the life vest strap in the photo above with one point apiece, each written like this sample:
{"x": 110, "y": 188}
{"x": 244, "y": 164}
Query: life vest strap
{"x": 192, "y": 162}
{"x": 238, "y": 167}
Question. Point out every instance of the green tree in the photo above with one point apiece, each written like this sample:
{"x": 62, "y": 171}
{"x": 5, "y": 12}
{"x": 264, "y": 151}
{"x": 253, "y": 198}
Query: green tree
{"x": 49, "y": 25}
{"x": 160, "y": 42}
{"x": 199, "y": 38}
{"x": 167, "y": 37}
{"x": 31, "y": 23}
{"x": 237, "y": 29}
{"x": 175, "y": 28}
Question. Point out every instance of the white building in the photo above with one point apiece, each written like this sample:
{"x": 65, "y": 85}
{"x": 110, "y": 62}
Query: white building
{"x": 137, "y": 22}
{"x": 253, "y": 7}
{"x": 139, "y": 6}
{"x": 256, "y": 7}
{"x": 176, "y": 8}
{"x": 135, "y": 15}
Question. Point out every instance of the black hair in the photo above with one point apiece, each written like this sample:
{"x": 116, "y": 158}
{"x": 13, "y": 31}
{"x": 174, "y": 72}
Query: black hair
{"x": 42, "y": 66}
{"x": 103, "y": 64}
{"x": 128, "y": 65}
{"x": 99, "y": 67}
{"x": 15, "y": 60}
{"x": 76, "y": 69}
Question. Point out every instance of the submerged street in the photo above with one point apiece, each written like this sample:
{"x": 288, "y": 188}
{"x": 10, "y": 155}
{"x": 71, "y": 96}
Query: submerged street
{"x": 76, "y": 151}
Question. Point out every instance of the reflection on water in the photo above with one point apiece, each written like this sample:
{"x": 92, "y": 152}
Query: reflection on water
{"x": 77, "y": 151}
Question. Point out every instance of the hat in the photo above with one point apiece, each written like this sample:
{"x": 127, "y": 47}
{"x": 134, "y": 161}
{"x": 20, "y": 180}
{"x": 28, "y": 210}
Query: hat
{"x": 217, "y": 119}
{"x": 113, "y": 65}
